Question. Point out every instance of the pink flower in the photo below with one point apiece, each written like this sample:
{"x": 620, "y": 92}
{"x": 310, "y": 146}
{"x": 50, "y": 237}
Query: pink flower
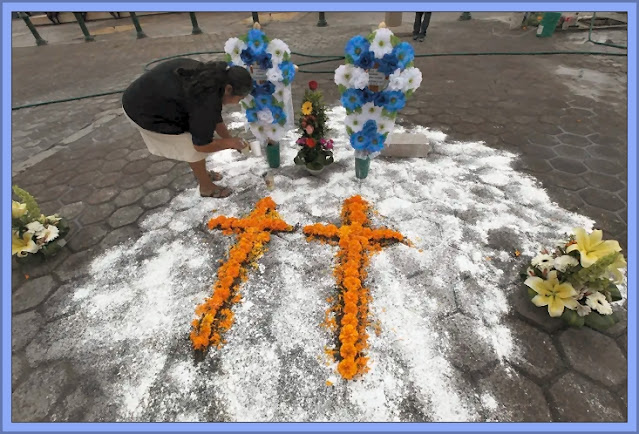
{"x": 309, "y": 129}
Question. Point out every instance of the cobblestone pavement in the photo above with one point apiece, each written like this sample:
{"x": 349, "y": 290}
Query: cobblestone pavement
{"x": 564, "y": 115}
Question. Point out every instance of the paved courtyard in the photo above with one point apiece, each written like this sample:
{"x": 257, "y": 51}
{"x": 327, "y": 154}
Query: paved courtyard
{"x": 524, "y": 148}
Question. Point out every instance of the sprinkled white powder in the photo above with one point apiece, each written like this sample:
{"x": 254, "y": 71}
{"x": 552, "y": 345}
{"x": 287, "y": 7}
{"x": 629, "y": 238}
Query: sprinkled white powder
{"x": 129, "y": 321}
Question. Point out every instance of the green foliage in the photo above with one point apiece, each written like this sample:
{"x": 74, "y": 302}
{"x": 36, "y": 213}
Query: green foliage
{"x": 599, "y": 322}
{"x": 286, "y": 57}
{"x": 349, "y": 59}
{"x": 244, "y": 38}
{"x": 615, "y": 295}
{"x": 33, "y": 210}
{"x": 592, "y": 275}
{"x": 409, "y": 93}
{"x": 341, "y": 88}
{"x": 395, "y": 40}
{"x": 316, "y": 157}
{"x": 411, "y": 64}
{"x": 371, "y": 37}
{"x": 227, "y": 58}
{"x": 390, "y": 115}
{"x": 573, "y": 319}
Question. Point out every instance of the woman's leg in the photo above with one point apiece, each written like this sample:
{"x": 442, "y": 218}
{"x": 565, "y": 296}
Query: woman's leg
{"x": 417, "y": 24}
{"x": 207, "y": 188}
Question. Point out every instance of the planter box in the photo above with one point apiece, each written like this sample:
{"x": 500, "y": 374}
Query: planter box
{"x": 406, "y": 146}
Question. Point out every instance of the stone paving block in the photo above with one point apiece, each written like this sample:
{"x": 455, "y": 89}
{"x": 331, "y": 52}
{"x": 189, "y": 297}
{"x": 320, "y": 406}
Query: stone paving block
{"x": 138, "y": 154}
{"x": 107, "y": 180}
{"x": 571, "y": 151}
{"x": 74, "y": 267}
{"x": 569, "y": 200}
{"x": 575, "y": 399}
{"x": 32, "y": 293}
{"x": 604, "y": 182}
{"x": 621, "y": 327}
{"x": 49, "y": 384}
{"x": 127, "y": 197}
{"x": 578, "y": 141}
{"x": 538, "y": 151}
{"x": 131, "y": 181}
{"x": 114, "y": 165}
{"x": 87, "y": 237}
{"x": 607, "y": 153}
{"x": 97, "y": 213}
{"x": 183, "y": 182}
{"x": 601, "y": 199}
{"x": 536, "y": 355}
{"x": 604, "y": 167}
{"x": 18, "y": 367}
{"x": 117, "y": 154}
{"x": 72, "y": 210}
{"x": 157, "y": 198}
{"x": 535, "y": 165}
{"x": 76, "y": 194}
{"x": 466, "y": 353}
{"x": 159, "y": 181}
{"x": 538, "y": 316}
{"x": 622, "y": 341}
{"x": 24, "y": 327}
{"x": 102, "y": 195}
{"x": 82, "y": 179}
{"x": 120, "y": 235}
{"x": 594, "y": 355}
{"x": 136, "y": 166}
{"x": 160, "y": 167}
{"x": 125, "y": 216}
{"x": 91, "y": 166}
{"x": 511, "y": 397}
{"x": 566, "y": 181}
{"x": 568, "y": 165}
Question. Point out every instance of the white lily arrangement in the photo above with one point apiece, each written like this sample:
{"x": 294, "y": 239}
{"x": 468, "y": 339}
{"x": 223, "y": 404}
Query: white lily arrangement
{"x": 579, "y": 279}
{"x": 33, "y": 233}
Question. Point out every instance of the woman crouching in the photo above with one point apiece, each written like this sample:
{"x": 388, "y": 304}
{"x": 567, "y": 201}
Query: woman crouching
{"x": 177, "y": 107}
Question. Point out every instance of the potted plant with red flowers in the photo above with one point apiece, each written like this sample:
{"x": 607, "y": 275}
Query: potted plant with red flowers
{"x": 316, "y": 152}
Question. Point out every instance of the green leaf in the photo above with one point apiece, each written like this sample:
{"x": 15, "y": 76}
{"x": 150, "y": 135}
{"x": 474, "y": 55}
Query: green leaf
{"x": 33, "y": 210}
{"x": 349, "y": 59}
{"x": 227, "y": 57}
{"x": 244, "y": 106}
{"x": 411, "y": 65}
{"x": 599, "y": 322}
{"x": 341, "y": 88}
{"x": 349, "y": 131}
{"x": 409, "y": 93}
{"x": 572, "y": 318}
{"x": 298, "y": 160}
{"x": 614, "y": 293}
{"x": 359, "y": 110}
{"x": 395, "y": 40}
{"x": 531, "y": 293}
{"x": 286, "y": 56}
{"x": 243, "y": 38}
{"x": 370, "y": 37}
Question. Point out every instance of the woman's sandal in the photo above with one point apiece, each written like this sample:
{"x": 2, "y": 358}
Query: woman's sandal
{"x": 215, "y": 176}
{"x": 218, "y": 192}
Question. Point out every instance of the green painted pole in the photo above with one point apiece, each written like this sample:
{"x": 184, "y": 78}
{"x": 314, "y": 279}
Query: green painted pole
{"x": 465, "y": 16}
{"x": 256, "y": 17}
{"x": 138, "y": 27}
{"x": 196, "y": 28}
{"x": 321, "y": 22}
{"x": 85, "y": 31}
{"x": 31, "y": 27}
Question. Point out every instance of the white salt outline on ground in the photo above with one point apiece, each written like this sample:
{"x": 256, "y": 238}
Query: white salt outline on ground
{"x": 249, "y": 383}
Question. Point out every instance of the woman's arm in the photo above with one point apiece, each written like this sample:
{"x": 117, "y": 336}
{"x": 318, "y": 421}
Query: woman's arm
{"x": 222, "y": 131}
{"x": 221, "y": 144}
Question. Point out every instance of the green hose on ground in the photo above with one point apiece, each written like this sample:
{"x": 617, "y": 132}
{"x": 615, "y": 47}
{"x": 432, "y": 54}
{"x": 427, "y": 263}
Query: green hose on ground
{"x": 605, "y": 44}
{"x": 334, "y": 58}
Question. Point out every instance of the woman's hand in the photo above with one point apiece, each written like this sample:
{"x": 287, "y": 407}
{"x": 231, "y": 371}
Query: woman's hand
{"x": 236, "y": 143}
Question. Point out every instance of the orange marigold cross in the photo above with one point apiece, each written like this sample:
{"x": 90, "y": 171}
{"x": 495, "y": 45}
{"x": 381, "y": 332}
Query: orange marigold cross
{"x": 357, "y": 242}
{"x": 214, "y": 316}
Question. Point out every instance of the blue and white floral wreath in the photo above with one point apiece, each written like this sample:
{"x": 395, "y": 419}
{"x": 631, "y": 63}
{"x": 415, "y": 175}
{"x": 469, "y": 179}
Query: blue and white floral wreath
{"x": 374, "y": 83}
{"x": 269, "y": 107}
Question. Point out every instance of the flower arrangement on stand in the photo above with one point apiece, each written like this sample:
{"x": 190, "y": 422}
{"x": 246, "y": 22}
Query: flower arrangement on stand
{"x": 578, "y": 280}
{"x": 269, "y": 107}
{"x": 316, "y": 152}
{"x": 378, "y": 77}
{"x": 34, "y": 235}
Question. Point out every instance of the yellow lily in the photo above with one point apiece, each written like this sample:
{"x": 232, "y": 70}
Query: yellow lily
{"x": 307, "y": 108}
{"x": 615, "y": 269}
{"x": 24, "y": 245}
{"x": 553, "y": 294}
{"x": 18, "y": 209}
{"x": 591, "y": 247}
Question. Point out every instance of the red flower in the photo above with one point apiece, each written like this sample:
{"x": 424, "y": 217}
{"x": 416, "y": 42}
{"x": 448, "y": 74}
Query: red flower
{"x": 313, "y": 85}
{"x": 310, "y": 142}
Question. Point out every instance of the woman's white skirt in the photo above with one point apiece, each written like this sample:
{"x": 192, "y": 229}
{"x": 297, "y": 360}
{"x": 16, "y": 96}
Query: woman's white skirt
{"x": 173, "y": 146}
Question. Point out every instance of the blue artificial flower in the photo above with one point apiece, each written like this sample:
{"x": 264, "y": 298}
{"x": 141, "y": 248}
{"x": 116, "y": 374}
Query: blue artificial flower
{"x": 388, "y": 64}
{"x": 376, "y": 142}
{"x": 404, "y": 53}
{"x": 357, "y": 47}
{"x": 251, "y": 115}
{"x": 368, "y": 95}
{"x": 263, "y": 89}
{"x": 263, "y": 101}
{"x": 288, "y": 71}
{"x": 247, "y": 56}
{"x": 352, "y": 99}
{"x": 380, "y": 99}
{"x": 278, "y": 114}
{"x": 360, "y": 140}
{"x": 396, "y": 100}
{"x": 366, "y": 60}
{"x": 370, "y": 127}
{"x": 256, "y": 41}
{"x": 264, "y": 60}
{"x": 368, "y": 139}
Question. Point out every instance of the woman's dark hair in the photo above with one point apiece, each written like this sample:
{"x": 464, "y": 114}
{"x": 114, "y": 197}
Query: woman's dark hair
{"x": 213, "y": 77}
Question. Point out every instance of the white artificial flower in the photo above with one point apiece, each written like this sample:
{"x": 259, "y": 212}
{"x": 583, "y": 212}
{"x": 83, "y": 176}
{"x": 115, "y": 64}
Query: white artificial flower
{"x": 355, "y": 121}
{"x": 248, "y": 100}
{"x": 282, "y": 92}
{"x": 598, "y": 302}
{"x": 259, "y": 131}
{"x": 583, "y": 310}
{"x": 564, "y": 262}
{"x": 382, "y": 43}
{"x": 274, "y": 74}
{"x": 35, "y": 227}
{"x": 412, "y": 79}
{"x": 53, "y": 219}
{"x": 543, "y": 262}
{"x": 234, "y": 47}
{"x": 385, "y": 125}
{"x": 265, "y": 116}
{"x": 48, "y": 233}
{"x": 275, "y": 132}
{"x": 343, "y": 75}
{"x": 371, "y": 111}
{"x": 359, "y": 79}
{"x": 277, "y": 48}
{"x": 396, "y": 81}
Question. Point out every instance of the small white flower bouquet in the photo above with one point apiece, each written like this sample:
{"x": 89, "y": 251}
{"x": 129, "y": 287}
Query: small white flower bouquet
{"x": 579, "y": 280}
{"x": 32, "y": 233}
